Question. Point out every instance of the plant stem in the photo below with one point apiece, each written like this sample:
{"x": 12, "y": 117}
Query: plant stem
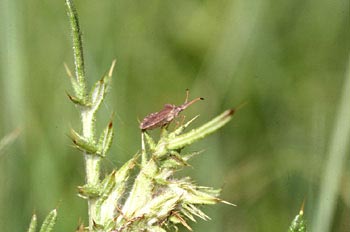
{"x": 336, "y": 162}
{"x": 92, "y": 162}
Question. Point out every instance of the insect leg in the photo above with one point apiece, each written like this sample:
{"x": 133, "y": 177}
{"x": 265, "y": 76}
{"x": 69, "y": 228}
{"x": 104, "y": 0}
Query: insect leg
{"x": 183, "y": 117}
{"x": 187, "y": 94}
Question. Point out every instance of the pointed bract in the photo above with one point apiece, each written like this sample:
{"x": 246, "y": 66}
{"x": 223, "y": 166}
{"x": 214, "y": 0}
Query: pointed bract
{"x": 49, "y": 222}
{"x": 33, "y": 223}
{"x": 115, "y": 187}
{"x": 83, "y": 144}
{"x": 106, "y": 139}
{"x": 78, "y": 101}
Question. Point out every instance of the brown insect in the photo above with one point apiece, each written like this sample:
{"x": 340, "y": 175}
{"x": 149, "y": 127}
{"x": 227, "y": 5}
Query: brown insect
{"x": 166, "y": 115}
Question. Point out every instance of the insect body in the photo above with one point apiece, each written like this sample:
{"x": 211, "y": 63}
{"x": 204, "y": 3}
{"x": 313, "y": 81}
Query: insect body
{"x": 166, "y": 115}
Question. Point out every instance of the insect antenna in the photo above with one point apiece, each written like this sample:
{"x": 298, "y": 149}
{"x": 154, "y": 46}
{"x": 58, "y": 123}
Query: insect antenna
{"x": 187, "y": 104}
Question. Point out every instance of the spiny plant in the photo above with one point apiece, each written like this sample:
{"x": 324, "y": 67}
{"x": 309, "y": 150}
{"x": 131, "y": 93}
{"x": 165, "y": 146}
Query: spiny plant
{"x": 157, "y": 200}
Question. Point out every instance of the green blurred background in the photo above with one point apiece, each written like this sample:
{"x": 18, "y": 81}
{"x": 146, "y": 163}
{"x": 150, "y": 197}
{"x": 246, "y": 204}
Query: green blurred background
{"x": 286, "y": 59}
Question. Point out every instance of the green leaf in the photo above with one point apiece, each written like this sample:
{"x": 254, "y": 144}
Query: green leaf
{"x": 76, "y": 87}
{"x": 77, "y": 49}
{"x": 173, "y": 161}
{"x": 179, "y": 130}
{"x": 83, "y": 144}
{"x": 114, "y": 187}
{"x": 87, "y": 191}
{"x": 105, "y": 140}
{"x": 97, "y": 94}
{"x": 49, "y": 221}
{"x": 78, "y": 101}
{"x": 33, "y": 223}
{"x": 100, "y": 88}
{"x": 141, "y": 192}
{"x": 150, "y": 142}
{"x": 199, "y": 133}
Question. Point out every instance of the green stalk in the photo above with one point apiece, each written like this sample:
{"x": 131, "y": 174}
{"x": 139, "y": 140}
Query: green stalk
{"x": 12, "y": 64}
{"x": 336, "y": 162}
{"x": 92, "y": 162}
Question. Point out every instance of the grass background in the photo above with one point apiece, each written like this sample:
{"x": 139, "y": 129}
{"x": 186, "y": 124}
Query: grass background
{"x": 287, "y": 59}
